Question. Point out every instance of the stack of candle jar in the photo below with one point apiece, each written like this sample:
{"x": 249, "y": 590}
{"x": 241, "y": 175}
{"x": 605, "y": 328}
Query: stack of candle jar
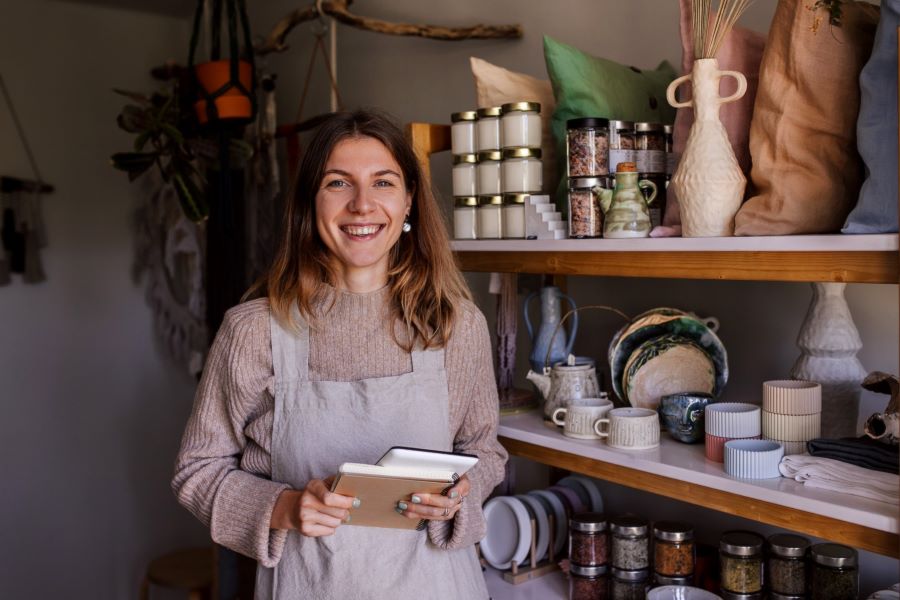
{"x": 791, "y": 413}
{"x": 496, "y": 166}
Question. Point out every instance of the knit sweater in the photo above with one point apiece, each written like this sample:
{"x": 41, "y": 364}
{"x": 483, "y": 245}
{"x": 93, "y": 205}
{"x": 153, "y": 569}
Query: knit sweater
{"x": 223, "y": 469}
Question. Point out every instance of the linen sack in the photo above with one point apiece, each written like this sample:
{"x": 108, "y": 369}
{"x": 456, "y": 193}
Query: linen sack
{"x": 806, "y": 170}
{"x": 742, "y": 51}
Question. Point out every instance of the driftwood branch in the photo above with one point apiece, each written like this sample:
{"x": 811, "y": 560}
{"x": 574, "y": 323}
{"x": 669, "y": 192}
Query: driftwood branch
{"x": 275, "y": 41}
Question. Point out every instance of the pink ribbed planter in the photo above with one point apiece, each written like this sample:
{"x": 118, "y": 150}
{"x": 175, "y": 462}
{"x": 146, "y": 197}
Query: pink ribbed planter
{"x": 715, "y": 446}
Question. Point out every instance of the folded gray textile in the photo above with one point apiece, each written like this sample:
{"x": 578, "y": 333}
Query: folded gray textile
{"x": 862, "y": 451}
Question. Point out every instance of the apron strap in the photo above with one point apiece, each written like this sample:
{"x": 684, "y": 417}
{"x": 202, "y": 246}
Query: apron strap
{"x": 290, "y": 349}
{"x": 428, "y": 360}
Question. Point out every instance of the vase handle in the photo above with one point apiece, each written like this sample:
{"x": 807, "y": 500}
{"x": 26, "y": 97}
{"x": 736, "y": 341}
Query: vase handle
{"x": 670, "y": 91}
{"x": 741, "y": 83}
{"x": 645, "y": 183}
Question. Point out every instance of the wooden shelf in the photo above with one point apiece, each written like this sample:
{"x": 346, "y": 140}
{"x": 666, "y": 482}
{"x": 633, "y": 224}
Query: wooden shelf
{"x": 845, "y": 258}
{"x": 681, "y": 471}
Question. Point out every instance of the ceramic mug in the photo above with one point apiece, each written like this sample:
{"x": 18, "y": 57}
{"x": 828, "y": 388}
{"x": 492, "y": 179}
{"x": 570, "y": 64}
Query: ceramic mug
{"x": 682, "y": 415}
{"x": 579, "y": 421}
{"x": 629, "y": 428}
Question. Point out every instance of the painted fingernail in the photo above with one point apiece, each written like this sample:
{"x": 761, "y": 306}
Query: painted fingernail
{"x": 399, "y": 510}
{"x": 357, "y": 503}
{"x": 402, "y": 505}
{"x": 454, "y": 494}
{"x": 416, "y": 500}
{"x": 347, "y": 520}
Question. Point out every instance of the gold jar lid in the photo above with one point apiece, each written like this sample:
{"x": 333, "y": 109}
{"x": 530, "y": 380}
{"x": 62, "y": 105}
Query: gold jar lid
{"x": 648, "y": 127}
{"x": 491, "y": 111}
{"x": 669, "y": 129}
{"x": 520, "y": 107}
{"x": 464, "y": 159}
{"x": 521, "y": 153}
{"x": 465, "y": 115}
{"x": 515, "y": 198}
{"x": 462, "y": 201}
{"x": 486, "y": 155}
{"x": 488, "y": 200}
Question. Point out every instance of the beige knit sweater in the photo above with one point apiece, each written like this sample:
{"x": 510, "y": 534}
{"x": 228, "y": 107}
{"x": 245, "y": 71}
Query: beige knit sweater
{"x": 223, "y": 470}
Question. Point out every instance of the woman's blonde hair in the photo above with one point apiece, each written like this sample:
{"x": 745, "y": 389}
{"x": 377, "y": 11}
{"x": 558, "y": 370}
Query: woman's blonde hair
{"x": 425, "y": 283}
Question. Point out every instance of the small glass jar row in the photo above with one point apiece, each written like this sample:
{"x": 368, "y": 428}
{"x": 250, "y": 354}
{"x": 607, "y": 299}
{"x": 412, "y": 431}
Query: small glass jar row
{"x": 595, "y": 146}
{"x": 489, "y": 217}
{"x": 492, "y": 172}
{"x": 512, "y": 125}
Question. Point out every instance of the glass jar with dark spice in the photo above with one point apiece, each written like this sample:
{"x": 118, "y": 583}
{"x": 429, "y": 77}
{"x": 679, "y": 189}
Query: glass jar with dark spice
{"x": 621, "y": 143}
{"x": 587, "y": 147}
{"x": 726, "y": 595}
{"x": 585, "y": 212}
{"x": 741, "y": 563}
{"x": 673, "y": 551}
{"x": 834, "y": 574}
{"x": 630, "y": 543}
{"x": 588, "y": 583}
{"x": 786, "y": 563}
{"x": 629, "y": 585}
{"x": 650, "y": 147}
{"x": 588, "y": 539}
{"x": 661, "y": 580}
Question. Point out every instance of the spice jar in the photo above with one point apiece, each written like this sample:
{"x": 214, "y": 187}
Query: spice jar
{"x": 513, "y": 220}
{"x": 464, "y": 210}
{"x": 490, "y": 218}
{"x": 585, "y": 213}
{"x": 621, "y": 143}
{"x": 588, "y": 539}
{"x": 462, "y": 132}
{"x": 587, "y": 583}
{"x": 673, "y": 552}
{"x": 520, "y": 125}
{"x": 834, "y": 574}
{"x": 740, "y": 560}
{"x": 786, "y": 564}
{"x": 671, "y": 157}
{"x": 587, "y": 147}
{"x": 629, "y": 585}
{"x": 630, "y": 543}
{"x": 520, "y": 171}
{"x": 661, "y": 580}
{"x": 487, "y": 173}
{"x": 464, "y": 175}
{"x": 487, "y": 129}
{"x": 726, "y": 595}
{"x": 650, "y": 147}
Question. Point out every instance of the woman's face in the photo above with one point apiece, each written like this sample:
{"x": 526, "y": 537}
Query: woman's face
{"x": 361, "y": 204}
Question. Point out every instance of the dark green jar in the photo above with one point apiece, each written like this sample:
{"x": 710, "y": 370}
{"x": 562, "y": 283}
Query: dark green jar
{"x": 835, "y": 573}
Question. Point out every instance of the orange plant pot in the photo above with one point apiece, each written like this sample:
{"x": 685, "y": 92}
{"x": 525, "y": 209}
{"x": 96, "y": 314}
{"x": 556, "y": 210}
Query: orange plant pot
{"x": 232, "y": 104}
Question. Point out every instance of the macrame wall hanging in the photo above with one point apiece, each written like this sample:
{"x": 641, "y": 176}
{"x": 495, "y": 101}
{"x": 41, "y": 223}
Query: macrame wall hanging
{"x": 22, "y": 228}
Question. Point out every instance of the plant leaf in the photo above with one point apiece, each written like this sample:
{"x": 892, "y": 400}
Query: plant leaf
{"x": 193, "y": 203}
{"x": 136, "y": 96}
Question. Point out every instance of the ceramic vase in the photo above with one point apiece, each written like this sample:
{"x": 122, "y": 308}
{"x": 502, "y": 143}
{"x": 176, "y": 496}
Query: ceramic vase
{"x": 829, "y": 341}
{"x": 544, "y": 340}
{"x": 708, "y": 182}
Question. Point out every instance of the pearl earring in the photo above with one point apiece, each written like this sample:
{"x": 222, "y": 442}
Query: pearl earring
{"x": 407, "y": 227}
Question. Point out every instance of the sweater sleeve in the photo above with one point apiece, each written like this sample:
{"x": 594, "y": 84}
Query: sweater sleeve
{"x": 475, "y": 407}
{"x": 235, "y": 504}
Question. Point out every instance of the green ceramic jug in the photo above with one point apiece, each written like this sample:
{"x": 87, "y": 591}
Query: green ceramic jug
{"x": 626, "y": 212}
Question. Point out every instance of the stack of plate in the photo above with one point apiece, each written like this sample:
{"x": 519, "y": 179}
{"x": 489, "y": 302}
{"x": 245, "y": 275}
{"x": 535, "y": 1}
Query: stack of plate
{"x": 792, "y": 413}
{"x": 666, "y": 351}
{"x": 508, "y": 520}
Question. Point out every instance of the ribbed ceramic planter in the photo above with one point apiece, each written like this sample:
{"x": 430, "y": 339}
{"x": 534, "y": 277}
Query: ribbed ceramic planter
{"x": 753, "y": 459}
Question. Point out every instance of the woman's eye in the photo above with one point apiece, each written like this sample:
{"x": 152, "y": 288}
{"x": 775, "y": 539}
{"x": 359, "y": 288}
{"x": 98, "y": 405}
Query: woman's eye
{"x": 384, "y": 183}
{"x": 336, "y": 183}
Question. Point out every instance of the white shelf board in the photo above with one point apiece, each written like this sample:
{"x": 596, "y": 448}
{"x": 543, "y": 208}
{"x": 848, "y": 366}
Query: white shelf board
{"x": 548, "y": 587}
{"x": 784, "y": 243}
{"x": 686, "y": 462}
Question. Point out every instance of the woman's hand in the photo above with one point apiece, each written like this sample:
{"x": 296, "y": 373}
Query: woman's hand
{"x": 436, "y": 507}
{"x": 314, "y": 511}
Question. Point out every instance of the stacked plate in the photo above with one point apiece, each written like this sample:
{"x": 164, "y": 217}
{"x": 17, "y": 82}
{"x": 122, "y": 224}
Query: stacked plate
{"x": 508, "y": 520}
{"x": 666, "y": 351}
{"x": 792, "y": 413}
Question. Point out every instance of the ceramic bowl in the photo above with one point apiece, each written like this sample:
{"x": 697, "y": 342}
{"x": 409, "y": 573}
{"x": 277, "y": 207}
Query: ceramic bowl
{"x": 660, "y": 322}
{"x": 682, "y": 415}
{"x": 665, "y": 365}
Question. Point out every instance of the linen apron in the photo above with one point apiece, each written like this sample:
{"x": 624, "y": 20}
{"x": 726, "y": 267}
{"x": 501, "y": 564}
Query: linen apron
{"x": 320, "y": 424}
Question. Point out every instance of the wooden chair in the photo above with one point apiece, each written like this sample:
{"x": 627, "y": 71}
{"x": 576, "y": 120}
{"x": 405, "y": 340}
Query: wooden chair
{"x": 426, "y": 139}
{"x": 191, "y": 571}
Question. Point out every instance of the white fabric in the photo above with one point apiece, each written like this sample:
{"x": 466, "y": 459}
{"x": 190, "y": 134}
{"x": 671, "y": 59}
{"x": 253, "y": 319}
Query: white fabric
{"x": 830, "y": 474}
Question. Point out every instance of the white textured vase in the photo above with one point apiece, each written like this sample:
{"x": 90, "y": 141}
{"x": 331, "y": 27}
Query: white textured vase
{"x": 829, "y": 341}
{"x": 708, "y": 182}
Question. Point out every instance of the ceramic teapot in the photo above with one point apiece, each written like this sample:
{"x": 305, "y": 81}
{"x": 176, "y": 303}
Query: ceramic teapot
{"x": 626, "y": 212}
{"x": 565, "y": 383}
{"x": 550, "y": 344}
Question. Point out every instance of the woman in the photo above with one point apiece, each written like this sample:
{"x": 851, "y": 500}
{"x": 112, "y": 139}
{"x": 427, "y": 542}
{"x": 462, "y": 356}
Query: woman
{"x": 366, "y": 339}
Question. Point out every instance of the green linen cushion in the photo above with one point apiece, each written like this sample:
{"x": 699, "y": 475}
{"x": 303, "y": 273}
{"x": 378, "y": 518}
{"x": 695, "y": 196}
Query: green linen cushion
{"x": 587, "y": 86}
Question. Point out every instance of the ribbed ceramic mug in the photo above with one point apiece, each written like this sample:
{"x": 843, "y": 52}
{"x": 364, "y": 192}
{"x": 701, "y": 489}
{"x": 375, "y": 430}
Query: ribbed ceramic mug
{"x": 630, "y": 428}
{"x": 578, "y": 420}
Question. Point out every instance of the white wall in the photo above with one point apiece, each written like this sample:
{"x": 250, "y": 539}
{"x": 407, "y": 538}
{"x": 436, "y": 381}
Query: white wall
{"x": 425, "y": 80}
{"x": 92, "y": 411}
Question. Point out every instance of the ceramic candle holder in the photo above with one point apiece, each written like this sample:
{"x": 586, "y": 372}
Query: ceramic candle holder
{"x": 630, "y": 428}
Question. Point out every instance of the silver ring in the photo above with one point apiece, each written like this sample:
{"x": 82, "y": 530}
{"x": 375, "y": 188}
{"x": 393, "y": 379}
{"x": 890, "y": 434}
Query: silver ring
{"x": 446, "y": 512}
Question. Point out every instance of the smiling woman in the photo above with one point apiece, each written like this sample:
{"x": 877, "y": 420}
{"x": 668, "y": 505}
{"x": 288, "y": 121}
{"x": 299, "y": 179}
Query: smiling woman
{"x": 366, "y": 338}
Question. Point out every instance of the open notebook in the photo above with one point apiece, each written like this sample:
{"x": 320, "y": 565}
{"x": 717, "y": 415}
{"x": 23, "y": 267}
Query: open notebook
{"x": 379, "y": 487}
